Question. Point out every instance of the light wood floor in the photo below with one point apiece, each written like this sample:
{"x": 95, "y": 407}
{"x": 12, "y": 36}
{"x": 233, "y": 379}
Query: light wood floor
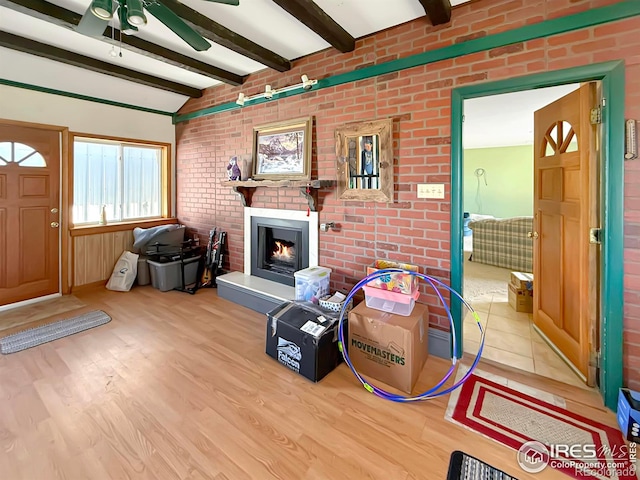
{"x": 178, "y": 386}
{"x": 12, "y": 320}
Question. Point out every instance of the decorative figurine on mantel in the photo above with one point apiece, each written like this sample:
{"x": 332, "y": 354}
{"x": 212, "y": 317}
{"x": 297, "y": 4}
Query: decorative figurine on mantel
{"x": 233, "y": 170}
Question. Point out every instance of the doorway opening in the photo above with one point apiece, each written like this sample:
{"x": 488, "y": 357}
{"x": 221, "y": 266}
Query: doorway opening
{"x": 611, "y": 172}
{"x": 498, "y": 213}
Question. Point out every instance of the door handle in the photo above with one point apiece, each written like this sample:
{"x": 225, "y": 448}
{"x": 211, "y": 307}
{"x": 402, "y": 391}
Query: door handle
{"x": 55, "y": 224}
{"x": 54, "y": 210}
{"x": 532, "y": 234}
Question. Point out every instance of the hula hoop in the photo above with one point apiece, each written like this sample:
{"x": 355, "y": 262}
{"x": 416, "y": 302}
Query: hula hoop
{"x": 433, "y": 391}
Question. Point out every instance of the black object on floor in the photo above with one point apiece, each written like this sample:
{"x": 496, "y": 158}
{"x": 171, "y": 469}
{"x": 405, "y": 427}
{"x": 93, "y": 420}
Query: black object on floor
{"x": 465, "y": 467}
{"x": 304, "y": 338}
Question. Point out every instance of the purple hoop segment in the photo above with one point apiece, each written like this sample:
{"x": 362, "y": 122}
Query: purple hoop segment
{"x": 432, "y": 392}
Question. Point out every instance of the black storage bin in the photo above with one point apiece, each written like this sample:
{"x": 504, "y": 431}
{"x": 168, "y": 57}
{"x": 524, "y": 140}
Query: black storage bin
{"x": 298, "y": 338}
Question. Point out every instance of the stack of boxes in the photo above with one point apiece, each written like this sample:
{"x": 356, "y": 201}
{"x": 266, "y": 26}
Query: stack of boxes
{"x": 393, "y": 292}
{"x": 388, "y": 334}
{"x": 521, "y": 292}
{"x": 301, "y": 335}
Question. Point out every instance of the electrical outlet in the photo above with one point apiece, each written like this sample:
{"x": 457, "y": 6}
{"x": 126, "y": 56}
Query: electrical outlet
{"x": 431, "y": 190}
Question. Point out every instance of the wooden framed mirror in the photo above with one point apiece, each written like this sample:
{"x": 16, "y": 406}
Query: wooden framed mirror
{"x": 364, "y": 154}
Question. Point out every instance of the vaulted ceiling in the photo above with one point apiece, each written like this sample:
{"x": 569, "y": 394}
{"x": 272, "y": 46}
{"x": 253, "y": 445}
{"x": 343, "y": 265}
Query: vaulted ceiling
{"x": 155, "y": 68}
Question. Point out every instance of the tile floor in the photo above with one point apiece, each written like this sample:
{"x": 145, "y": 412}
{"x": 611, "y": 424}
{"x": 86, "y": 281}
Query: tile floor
{"x": 511, "y": 339}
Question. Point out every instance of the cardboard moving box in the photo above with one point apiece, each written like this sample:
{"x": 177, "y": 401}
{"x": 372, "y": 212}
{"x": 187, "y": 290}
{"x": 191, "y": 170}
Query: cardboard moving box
{"x": 522, "y": 280}
{"x": 303, "y": 339}
{"x": 520, "y": 300}
{"x": 387, "y": 347}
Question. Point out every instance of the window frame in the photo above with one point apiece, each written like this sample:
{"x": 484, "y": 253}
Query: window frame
{"x": 12, "y": 160}
{"x": 165, "y": 174}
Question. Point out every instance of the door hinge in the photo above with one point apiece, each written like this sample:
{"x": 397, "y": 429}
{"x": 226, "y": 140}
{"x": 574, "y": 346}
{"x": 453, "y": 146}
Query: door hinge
{"x": 595, "y": 235}
{"x": 595, "y": 359}
{"x": 596, "y": 115}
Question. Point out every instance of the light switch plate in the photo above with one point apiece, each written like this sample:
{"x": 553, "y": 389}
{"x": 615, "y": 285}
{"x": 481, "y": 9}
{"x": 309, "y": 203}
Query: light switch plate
{"x": 431, "y": 190}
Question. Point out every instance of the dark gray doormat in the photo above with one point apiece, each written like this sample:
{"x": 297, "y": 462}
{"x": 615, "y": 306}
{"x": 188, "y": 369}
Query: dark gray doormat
{"x": 463, "y": 466}
{"x": 52, "y": 331}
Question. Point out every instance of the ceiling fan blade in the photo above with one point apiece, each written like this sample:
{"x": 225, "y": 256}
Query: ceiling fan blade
{"x": 226, "y": 2}
{"x": 177, "y": 25}
{"x": 91, "y": 25}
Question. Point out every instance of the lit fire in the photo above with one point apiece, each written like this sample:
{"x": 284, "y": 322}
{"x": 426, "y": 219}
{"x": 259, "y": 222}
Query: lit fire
{"x": 283, "y": 252}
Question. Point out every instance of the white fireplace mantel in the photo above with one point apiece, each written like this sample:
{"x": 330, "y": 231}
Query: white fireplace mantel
{"x": 310, "y": 217}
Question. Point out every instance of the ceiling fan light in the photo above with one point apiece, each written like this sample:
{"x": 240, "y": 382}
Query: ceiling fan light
{"x": 102, "y": 9}
{"x": 125, "y": 26}
{"x": 135, "y": 13}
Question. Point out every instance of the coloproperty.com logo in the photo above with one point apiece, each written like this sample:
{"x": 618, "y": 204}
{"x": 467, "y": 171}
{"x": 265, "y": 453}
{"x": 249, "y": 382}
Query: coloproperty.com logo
{"x": 587, "y": 460}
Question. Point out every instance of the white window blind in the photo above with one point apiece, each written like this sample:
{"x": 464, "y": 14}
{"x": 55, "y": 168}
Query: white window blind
{"x": 126, "y": 178}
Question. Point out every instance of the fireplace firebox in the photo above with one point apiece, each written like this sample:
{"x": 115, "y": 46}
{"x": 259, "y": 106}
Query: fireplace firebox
{"x": 279, "y": 248}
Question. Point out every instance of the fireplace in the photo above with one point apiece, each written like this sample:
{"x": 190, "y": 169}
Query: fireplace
{"x": 279, "y": 247}
{"x": 277, "y": 243}
{"x": 248, "y": 287}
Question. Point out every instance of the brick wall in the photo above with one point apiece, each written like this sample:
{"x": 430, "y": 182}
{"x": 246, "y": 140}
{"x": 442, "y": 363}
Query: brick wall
{"x": 419, "y": 100}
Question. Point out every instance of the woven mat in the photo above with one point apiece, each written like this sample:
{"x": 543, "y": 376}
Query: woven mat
{"x": 518, "y": 416}
{"x": 52, "y": 331}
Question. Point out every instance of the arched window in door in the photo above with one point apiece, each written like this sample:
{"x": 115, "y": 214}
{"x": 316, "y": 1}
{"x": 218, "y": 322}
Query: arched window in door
{"x": 559, "y": 138}
{"x": 20, "y": 154}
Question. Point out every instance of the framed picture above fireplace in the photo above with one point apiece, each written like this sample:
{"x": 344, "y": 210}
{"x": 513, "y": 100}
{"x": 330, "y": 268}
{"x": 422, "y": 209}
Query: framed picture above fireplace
{"x": 282, "y": 150}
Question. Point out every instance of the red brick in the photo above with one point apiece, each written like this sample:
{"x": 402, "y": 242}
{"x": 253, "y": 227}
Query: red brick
{"x": 419, "y": 99}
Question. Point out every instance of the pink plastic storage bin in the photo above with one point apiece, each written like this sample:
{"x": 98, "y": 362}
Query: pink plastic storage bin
{"x": 391, "y": 302}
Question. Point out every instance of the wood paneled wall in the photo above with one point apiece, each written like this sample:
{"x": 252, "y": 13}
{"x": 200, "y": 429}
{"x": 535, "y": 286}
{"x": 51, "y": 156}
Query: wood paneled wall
{"x": 94, "y": 256}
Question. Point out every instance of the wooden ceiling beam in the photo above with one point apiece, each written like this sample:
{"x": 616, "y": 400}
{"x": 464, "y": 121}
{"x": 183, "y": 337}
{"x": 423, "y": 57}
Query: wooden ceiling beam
{"x": 165, "y": 55}
{"x": 26, "y": 45}
{"x": 227, "y": 38}
{"x": 439, "y": 11}
{"x": 311, "y": 15}
{"x": 68, "y": 19}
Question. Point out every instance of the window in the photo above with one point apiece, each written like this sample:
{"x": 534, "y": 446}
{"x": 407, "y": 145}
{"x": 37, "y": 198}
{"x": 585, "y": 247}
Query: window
{"x": 128, "y": 179}
{"x": 20, "y": 154}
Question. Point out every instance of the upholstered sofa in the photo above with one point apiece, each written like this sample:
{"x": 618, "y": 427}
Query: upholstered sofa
{"x": 503, "y": 242}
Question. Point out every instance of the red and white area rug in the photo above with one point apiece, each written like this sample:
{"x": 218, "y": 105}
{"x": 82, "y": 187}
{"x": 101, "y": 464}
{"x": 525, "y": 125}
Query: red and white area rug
{"x": 540, "y": 429}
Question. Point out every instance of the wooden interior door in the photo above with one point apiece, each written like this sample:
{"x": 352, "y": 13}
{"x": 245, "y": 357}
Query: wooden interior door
{"x": 565, "y": 205}
{"x": 29, "y": 218}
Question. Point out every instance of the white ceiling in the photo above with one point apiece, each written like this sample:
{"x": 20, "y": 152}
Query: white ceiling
{"x": 261, "y": 21}
{"x": 507, "y": 119}
{"x": 489, "y": 121}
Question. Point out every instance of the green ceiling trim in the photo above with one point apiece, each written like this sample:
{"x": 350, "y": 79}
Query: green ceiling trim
{"x": 547, "y": 28}
{"x": 77, "y": 96}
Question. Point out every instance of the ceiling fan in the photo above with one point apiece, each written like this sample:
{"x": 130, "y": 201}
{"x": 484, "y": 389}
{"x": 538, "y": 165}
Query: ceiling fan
{"x": 131, "y": 15}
